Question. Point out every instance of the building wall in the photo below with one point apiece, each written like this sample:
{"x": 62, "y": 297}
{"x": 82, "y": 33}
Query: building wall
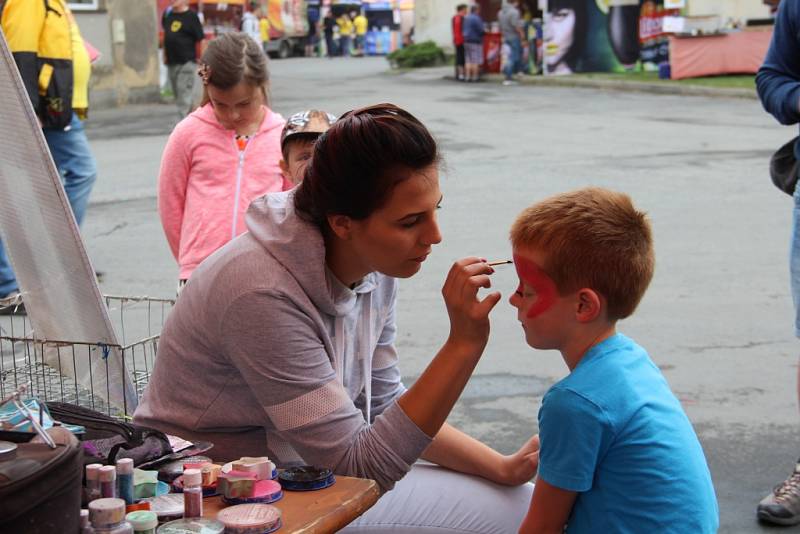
{"x": 735, "y": 9}
{"x": 432, "y": 20}
{"x": 126, "y": 34}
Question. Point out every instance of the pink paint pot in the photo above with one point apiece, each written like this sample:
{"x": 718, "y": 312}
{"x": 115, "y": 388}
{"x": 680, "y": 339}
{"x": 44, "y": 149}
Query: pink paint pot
{"x": 264, "y": 492}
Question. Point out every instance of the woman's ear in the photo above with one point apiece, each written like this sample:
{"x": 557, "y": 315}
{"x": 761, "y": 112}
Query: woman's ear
{"x": 340, "y": 225}
{"x": 590, "y": 305}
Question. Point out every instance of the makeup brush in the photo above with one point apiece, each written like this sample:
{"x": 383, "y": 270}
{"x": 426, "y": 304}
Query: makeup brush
{"x": 499, "y": 262}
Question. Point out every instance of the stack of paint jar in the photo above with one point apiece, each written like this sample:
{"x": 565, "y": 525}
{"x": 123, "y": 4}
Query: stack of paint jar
{"x": 248, "y": 484}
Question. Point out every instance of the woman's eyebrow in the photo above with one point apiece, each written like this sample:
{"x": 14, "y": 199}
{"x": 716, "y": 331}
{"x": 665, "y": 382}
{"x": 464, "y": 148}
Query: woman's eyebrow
{"x": 416, "y": 214}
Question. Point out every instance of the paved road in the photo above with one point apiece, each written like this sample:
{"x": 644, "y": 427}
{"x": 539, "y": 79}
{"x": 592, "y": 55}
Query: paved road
{"x": 717, "y": 318}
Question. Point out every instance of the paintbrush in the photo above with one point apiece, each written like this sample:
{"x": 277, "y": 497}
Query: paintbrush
{"x": 499, "y": 262}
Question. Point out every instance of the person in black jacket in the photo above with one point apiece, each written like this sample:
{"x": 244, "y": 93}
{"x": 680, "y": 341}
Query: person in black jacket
{"x": 182, "y": 31}
{"x": 329, "y": 23}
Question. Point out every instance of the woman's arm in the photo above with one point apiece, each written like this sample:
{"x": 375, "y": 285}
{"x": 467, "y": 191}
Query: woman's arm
{"x": 173, "y": 178}
{"x": 429, "y": 401}
{"x": 457, "y": 451}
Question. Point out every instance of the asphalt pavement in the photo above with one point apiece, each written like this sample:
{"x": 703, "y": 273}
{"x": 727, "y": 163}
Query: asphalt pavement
{"x": 717, "y": 318}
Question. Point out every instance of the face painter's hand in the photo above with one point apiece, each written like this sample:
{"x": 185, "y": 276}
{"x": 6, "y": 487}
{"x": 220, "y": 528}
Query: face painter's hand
{"x": 469, "y": 316}
{"x": 521, "y": 466}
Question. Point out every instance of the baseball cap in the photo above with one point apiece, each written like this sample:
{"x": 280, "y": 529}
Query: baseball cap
{"x": 311, "y": 121}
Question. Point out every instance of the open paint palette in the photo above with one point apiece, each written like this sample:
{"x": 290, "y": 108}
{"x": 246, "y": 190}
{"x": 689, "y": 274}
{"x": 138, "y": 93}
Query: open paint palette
{"x": 306, "y": 478}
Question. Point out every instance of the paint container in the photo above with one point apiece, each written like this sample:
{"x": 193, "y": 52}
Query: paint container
{"x": 306, "y": 478}
{"x": 108, "y": 482}
{"x": 250, "y": 519}
{"x": 86, "y": 527}
{"x": 167, "y": 507}
{"x": 260, "y": 465}
{"x": 125, "y": 480}
{"x": 208, "y": 491}
{"x": 264, "y": 492}
{"x": 210, "y": 474}
{"x": 192, "y": 493}
{"x": 194, "y": 526}
{"x": 146, "y": 484}
{"x": 137, "y": 507}
{"x": 108, "y": 517}
{"x": 236, "y": 484}
{"x": 172, "y": 470}
{"x": 93, "y": 481}
{"x": 143, "y": 522}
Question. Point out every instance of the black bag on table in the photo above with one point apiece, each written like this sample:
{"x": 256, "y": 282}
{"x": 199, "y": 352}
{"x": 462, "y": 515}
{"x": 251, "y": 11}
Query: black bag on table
{"x": 40, "y": 489}
{"x": 783, "y": 168}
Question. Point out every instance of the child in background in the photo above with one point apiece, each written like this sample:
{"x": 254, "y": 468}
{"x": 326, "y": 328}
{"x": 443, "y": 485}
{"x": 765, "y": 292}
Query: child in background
{"x": 263, "y": 29}
{"x": 618, "y": 453}
{"x": 297, "y": 141}
{"x": 222, "y": 156}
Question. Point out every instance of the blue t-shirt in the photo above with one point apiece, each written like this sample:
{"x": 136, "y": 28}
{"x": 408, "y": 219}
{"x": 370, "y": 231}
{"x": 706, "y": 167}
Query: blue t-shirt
{"x": 613, "y": 432}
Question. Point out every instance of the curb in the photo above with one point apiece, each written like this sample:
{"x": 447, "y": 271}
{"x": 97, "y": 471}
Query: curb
{"x": 629, "y": 86}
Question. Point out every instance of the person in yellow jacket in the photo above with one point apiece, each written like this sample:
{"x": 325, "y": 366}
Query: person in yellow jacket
{"x": 52, "y": 59}
{"x": 345, "y": 33}
{"x": 263, "y": 28}
{"x": 360, "y": 24}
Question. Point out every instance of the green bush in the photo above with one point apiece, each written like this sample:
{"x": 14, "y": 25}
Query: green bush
{"x": 426, "y": 54}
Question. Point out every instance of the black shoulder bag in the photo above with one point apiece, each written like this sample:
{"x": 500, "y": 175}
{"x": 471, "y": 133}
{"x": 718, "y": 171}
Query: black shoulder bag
{"x": 783, "y": 168}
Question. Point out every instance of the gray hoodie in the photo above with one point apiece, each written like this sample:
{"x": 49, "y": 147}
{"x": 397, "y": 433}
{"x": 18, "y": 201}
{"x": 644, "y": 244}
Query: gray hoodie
{"x": 266, "y": 352}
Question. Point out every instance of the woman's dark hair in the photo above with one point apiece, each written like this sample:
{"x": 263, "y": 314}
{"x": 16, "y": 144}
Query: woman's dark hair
{"x": 575, "y": 52}
{"x": 360, "y": 159}
{"x": 232, "y": 58}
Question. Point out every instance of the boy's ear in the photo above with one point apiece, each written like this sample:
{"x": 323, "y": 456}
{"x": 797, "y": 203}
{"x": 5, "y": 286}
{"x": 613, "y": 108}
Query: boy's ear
{"x": 340, "y": 225}
{"x": 284, "y": 167}
{"x": 590, "y": 305}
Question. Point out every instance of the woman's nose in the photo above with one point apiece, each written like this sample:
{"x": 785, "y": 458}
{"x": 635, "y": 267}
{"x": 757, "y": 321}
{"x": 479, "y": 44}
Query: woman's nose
{"x": 433, "y": 236}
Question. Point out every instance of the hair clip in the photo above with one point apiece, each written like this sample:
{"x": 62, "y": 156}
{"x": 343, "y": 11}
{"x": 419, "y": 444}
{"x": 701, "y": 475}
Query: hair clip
{"x": 204, "y": 71}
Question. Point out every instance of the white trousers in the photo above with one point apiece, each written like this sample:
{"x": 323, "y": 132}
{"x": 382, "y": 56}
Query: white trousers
{"x": 434, "y": 500}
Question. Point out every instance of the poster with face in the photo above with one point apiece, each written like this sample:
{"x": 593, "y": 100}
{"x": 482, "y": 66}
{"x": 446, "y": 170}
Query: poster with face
{"x": 576, "y": 38}
{"x": 603, "y": 35}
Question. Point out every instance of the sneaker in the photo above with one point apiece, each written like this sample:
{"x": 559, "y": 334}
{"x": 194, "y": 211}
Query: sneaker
{"x": 509, "y": 82}
{"x": 12, "y": 304}
{"x": 782, "y": 506}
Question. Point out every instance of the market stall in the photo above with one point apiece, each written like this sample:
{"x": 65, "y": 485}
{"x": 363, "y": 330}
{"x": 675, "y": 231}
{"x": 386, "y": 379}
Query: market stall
{"x": 739, "y": 52}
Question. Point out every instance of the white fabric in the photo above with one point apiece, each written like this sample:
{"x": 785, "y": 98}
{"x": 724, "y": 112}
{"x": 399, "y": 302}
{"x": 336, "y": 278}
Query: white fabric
{"x": 434, "y": 500}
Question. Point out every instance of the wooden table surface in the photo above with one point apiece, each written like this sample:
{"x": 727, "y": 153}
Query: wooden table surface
{"x": 317, "y": 512}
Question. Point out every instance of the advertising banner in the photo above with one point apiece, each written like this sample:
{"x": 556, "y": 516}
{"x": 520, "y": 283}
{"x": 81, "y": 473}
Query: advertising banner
{"x": 578, "y": 37}
{"x": 604, "y": 35}
{"x": 652, "y": 37}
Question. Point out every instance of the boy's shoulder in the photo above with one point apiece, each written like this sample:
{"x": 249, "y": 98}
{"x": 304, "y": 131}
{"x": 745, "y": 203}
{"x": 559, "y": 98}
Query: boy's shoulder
{"x": 617, "y": 376}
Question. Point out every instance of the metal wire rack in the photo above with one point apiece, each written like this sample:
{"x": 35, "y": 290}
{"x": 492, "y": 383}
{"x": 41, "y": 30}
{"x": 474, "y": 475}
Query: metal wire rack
{"x": 50, "y": 367}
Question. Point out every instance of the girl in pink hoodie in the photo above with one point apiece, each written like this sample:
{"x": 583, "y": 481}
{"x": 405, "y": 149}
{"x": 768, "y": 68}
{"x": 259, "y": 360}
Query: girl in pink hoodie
{"x": 222, "y": 156}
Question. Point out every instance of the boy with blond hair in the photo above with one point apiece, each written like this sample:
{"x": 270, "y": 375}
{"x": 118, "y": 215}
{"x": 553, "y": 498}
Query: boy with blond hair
{"x": 618, "y": 453}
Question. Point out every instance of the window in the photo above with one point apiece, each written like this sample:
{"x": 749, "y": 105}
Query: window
{"x": 84, "y": 5}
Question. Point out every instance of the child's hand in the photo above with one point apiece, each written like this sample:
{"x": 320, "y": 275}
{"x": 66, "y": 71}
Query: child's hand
{"x": 469, "y": 316}
{"x": 521, "y": 466}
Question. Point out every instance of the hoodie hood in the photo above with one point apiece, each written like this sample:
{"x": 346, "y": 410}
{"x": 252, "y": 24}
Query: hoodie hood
{"x": 206, "y": 115}
{"x": 297, "y": 245}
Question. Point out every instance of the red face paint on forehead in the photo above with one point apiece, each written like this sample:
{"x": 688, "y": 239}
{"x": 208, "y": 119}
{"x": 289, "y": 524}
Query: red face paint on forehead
{"x": 537, "y": 279}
